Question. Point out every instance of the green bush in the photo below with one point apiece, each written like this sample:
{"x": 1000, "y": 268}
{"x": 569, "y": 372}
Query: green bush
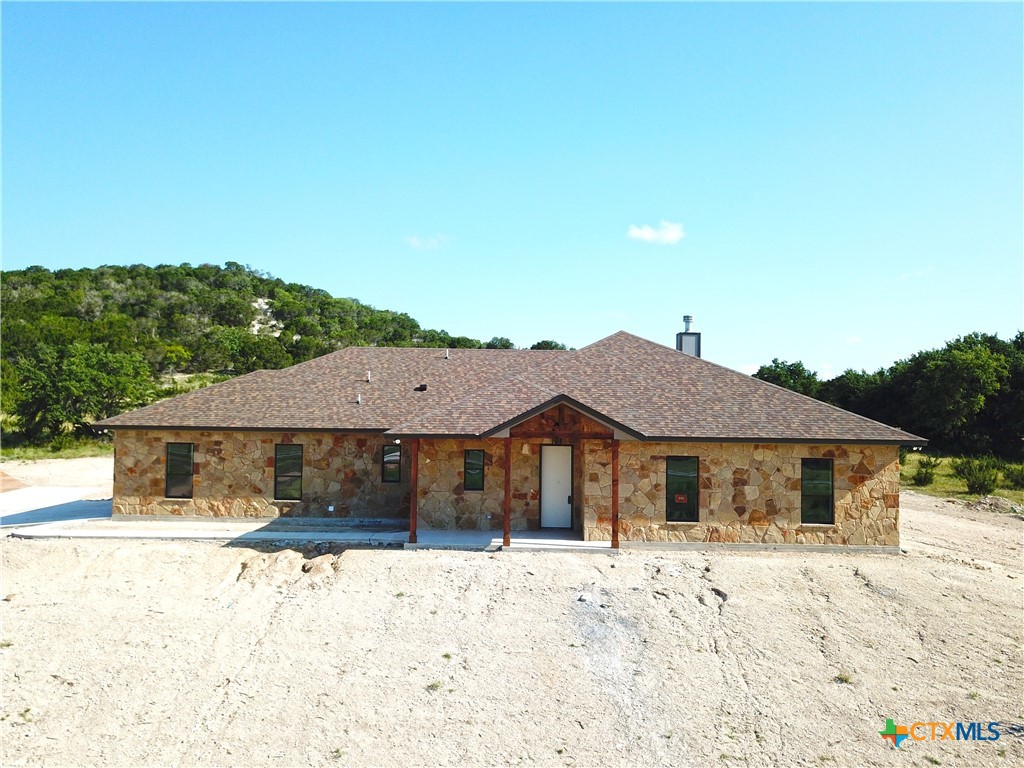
{"x": 925, "y": 472}
{"x": 1013, "y": 476}
{"x": 981, "y": 475}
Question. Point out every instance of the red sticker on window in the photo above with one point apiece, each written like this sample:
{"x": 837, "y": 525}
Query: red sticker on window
{"x": 680, "y": 498}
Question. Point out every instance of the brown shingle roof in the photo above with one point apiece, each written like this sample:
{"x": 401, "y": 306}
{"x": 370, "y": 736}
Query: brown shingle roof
{"x": 650, "y": 390}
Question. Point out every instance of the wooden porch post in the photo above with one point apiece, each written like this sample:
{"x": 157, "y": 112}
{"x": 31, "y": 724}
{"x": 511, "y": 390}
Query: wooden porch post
{"x": 507, "y": 537}
{"x": 615, "y": 494}
{"x": 414, "y": 452}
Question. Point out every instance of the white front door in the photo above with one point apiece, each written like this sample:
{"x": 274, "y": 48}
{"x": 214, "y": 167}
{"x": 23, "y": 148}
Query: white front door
{"x": 556, "y": 486}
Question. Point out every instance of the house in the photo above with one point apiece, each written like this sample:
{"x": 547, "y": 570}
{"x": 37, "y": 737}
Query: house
{"x": 624, "y": 439}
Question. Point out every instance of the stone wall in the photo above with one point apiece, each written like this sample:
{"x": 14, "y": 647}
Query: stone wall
{"x": 748, "y": 493}
{"x": 234, "y": 475}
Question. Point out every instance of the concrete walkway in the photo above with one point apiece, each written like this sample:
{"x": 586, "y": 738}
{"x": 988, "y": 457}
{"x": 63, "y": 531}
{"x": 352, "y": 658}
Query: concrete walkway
{"x": 91, "y": 520}
{"x": 45, "y": 513}
{"x": 40, "y": 504}
{"x": 195, "y": 529}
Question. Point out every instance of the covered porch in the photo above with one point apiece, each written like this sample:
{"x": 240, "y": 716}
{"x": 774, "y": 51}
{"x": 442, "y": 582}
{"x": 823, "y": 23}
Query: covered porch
{"x": 556, "y": 458}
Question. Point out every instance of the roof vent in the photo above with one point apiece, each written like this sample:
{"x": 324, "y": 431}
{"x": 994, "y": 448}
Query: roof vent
{"x": 688, "y": 342}
{"x": 421, "y": 388}
{"x": 446, "y": 354}
{"x": 368, "y": 378}
{"x": 359, "y": 399}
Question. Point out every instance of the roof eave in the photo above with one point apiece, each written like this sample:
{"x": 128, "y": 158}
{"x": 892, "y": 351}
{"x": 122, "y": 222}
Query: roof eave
{"x": 766, "y": 439}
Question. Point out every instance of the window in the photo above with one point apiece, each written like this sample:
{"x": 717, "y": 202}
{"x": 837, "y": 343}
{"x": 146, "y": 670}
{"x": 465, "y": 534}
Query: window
{"x": 473, "y": 479}
{"x": 816, "y": 491}
{"x": 681, "y": 489}
{"x": 180, "y": 469}
{"x": 391, "y": 464}
{"x": 288, "y": 472}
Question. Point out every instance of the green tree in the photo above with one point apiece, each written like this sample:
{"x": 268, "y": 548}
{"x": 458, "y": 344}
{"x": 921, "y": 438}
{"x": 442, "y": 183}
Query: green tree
{"x": 548, "y": 344}
{"x": 792, "y": 376}
{"x": 951, "y": 392}
{"x": 499, "y": 342}
{"x": 77, "y": 385}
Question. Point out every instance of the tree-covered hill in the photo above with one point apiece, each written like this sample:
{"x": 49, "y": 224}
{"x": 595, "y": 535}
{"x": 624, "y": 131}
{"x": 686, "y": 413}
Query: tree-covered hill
{"x": 79, "y": 344}
{"x": 184, "y": 318}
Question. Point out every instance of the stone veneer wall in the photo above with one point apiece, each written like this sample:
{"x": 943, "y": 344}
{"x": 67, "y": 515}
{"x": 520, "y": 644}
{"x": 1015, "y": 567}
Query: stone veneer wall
{"x": 444, "y": 503}
{"x": 234, "y": 475}
{"x": 748, "y": 493}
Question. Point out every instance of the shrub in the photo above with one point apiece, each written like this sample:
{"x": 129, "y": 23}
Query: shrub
{"x": 981, "y": 475}
{"x": 925, "y": 472}
{"x": 1013, "y": 476}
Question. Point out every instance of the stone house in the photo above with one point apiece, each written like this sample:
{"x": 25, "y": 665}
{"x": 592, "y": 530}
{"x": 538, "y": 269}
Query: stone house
{"x": 624, "y": 439}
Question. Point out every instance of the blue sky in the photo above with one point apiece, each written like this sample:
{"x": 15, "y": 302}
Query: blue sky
{"x": 838, "y": 184}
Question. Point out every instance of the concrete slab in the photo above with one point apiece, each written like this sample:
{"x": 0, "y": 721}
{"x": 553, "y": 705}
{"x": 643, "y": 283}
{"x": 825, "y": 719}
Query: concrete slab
{"x": 38, "y": 497}
{"x": 203, "y": 530}
{"x": 467, "y": 540}
{"x": 68, "y": 511}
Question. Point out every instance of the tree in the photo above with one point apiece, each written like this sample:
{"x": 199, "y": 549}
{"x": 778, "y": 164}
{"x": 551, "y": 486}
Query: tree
{"x": 77, "y": 385}
{"x": 548, "y": 344}
{"x": 849, "y": 389}
{"x": 792, "y": 376}
{"x": 952, "y": 389}
{"x": 499, "y": 342}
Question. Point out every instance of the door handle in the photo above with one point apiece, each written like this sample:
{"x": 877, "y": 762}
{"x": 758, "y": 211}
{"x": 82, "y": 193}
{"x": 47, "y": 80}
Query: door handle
{"x": 568, "y": 500}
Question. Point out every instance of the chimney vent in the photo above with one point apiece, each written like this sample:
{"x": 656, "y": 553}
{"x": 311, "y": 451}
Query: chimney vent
{"x": 421, "y": 388}
{"x": 688, "y": 342}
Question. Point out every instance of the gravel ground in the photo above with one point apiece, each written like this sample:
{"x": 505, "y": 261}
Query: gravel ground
{"x": 179, "y": 653}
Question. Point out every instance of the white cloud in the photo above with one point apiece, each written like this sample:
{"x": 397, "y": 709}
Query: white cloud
{"x": 426, "y": 242}
{"x": 667, "y": 233}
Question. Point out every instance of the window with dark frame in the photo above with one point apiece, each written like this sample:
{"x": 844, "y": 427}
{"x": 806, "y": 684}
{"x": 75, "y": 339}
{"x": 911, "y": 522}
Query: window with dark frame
{"x": 681, "y": 489}
{"x": 391, "y": 464}
{"x": 288, "y": 472}
{"x": 180, "y": 469}
{"x": 473, "y": 477}
{"x": 816, "y": 497}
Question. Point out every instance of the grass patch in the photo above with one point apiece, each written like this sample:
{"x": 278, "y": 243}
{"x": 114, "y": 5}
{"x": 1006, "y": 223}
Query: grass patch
{"x": 446, "y": 656}
{"x": 844, "y": 678}
{"x": 434, "y": 686}
{"x": 5, "y": 643}
{"x": 933, "y": 760}
{"x": 948, "y": 485}
{"x": 72, "y": 449}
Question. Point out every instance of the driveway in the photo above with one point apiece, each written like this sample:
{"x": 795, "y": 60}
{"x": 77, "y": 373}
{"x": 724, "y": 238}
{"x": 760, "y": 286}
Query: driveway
{"x": 43, "y": 504}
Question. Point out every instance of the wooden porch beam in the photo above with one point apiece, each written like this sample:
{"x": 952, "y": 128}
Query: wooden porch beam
{"x": 507, "y": 529}
{"x": 414, "y": 451}
{"x": 615, "y": 494}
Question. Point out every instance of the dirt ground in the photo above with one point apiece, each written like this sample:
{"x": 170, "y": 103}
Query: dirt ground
{"x": 177, "y": 653}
